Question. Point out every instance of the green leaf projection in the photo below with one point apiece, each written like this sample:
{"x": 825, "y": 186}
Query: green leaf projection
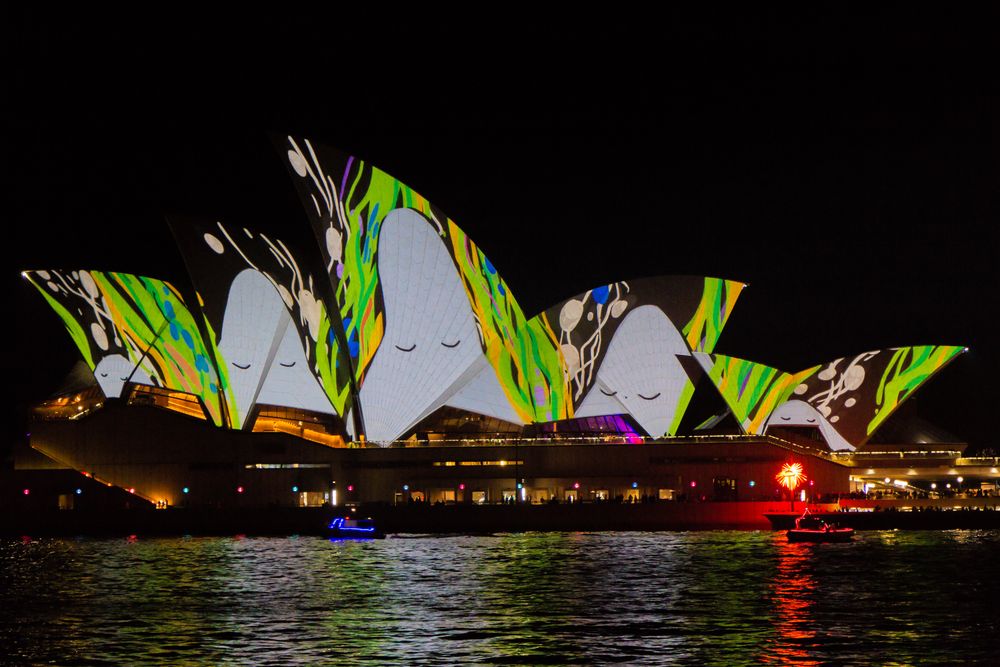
{"x": 130, "y": 327}
{"x": 751, "y": 390}
{"x": 908, "y": 368}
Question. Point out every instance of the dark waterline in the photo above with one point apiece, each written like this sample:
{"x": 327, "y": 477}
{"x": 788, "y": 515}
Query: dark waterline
{"x": 921, "y": 597}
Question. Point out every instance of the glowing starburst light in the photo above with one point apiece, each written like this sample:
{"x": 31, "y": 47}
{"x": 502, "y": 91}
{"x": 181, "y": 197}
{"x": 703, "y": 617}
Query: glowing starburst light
{"x": 791, "y": 476}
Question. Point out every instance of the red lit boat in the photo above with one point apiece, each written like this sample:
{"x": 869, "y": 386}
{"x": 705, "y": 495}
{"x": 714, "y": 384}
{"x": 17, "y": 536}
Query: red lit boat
{"x": 809, "y": 528}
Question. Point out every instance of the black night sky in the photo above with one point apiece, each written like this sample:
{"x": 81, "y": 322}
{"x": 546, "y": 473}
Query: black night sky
{"x": 844, "y": 166}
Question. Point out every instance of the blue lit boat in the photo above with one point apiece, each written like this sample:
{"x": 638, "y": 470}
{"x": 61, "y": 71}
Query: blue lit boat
{"x": 346, "y": 528}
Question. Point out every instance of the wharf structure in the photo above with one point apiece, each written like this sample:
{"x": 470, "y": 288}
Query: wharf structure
{"x": 389, "y": 362}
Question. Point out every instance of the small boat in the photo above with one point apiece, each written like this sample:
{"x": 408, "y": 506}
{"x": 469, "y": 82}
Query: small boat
{"x": 346, "y": 528}
{"x": 809, "y": 528}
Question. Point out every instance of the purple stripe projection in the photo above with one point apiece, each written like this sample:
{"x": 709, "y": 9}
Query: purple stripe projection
{"x": 343, "y": 181}
{"x": 743, "y": 384}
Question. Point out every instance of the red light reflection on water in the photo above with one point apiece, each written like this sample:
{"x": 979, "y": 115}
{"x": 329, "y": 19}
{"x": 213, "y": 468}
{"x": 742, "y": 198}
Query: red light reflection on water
{"x": 792, "y": 599}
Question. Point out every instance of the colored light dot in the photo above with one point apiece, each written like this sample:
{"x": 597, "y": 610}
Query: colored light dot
{"x": 520, "y": 486}
{"x": 295, "y": 489}
{"x": 576, "y": 485}
{"x": 753, "y": 483}
{"x": 79, "y": 491}
{"x": 239, "y": 489}
{"x": 461, "y": 487}
{"x": 406, "y": 487}
{"x": 27, "y": 492}
{"x": 132, "y": 490}
{"x": 350, "y": 487}
{"x": 185, "y": 489}
{"x": 693, "y": 483}
{"x": 635, "y": 485}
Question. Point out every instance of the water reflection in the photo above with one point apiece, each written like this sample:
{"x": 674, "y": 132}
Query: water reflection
{"x": 792, "y": 598}
{"x": 531, "y": 598}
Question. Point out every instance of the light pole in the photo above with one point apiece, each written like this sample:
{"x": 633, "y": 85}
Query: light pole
{"x": 517, "y": 475}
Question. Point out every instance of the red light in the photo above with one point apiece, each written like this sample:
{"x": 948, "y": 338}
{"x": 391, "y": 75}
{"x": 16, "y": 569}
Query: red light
{"x": 693, "y": 483}
{"x": 576, "y": 485}
{"x": 132, "y": 490}
{"x": 461, "y": 487}
{"x": 791, "y": 475}
{"x": 239, "y": 489}
{"x": 27, "y": 492}
{"x": 350, "y": 487}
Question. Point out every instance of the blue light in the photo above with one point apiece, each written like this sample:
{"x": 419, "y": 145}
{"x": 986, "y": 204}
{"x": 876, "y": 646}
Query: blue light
{"x": 520, "y": 486}
{"x": 79, "y": 491}
{"x": 185, "y": 489}
{"x": 338, "y": 525}
{"x": 406, "y": 487}
{"x": 635, "y": 485}
{"x": 295, "y": 489}
{"x": 753, "y": 483}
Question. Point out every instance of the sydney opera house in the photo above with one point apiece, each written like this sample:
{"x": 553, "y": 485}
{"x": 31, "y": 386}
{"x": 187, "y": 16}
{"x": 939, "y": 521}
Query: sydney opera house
{"x": 389, "y": 361}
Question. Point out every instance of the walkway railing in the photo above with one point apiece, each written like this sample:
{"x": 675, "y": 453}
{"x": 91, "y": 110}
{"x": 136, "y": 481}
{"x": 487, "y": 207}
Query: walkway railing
{"x": 616, "y": 439}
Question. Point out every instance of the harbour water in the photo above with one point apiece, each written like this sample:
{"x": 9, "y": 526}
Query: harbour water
{"x": 718, "y": 597}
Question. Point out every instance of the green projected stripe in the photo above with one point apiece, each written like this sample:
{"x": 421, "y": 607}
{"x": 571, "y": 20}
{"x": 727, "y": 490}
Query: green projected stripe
{"x": 718, "y": 299}
{"x": 682, "y": 405}
{"x": 336, "y": 385}
{"x": 232, "y": 408}
{"x": 72, "y": 326}
{"x": 907, "y": 370}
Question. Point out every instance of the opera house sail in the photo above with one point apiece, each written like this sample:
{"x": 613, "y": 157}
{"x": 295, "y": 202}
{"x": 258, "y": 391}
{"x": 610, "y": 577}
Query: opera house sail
{"x": 132, "y": 329}
{"x": 847, "y": 399}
